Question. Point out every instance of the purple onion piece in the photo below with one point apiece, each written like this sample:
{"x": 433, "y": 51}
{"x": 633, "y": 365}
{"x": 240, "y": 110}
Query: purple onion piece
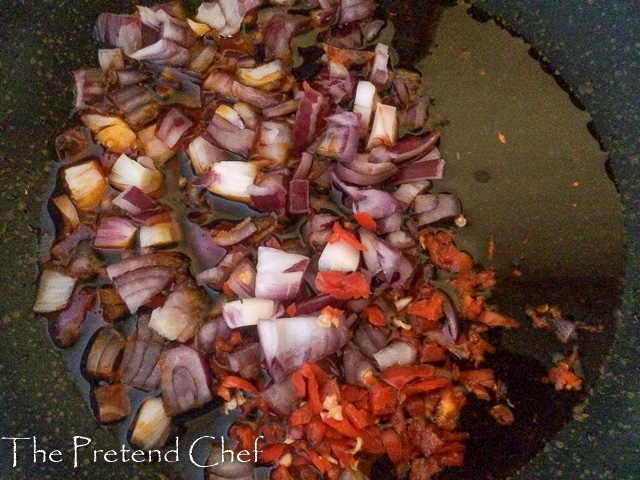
{"x": 370, "y": 339}
{"x": 281, "y": 397}
{"x": 185, "y": 380}
{"x": 418, "y": 171}
{"x": 287, "y": 343}
{"x": 447, "y": 207}
{"x": 141, "y": 353}
{"x": 356, "y": 366}
{"x": 451, "y": 327}
{"x": 246, "y": 361}
{"x": 199, "y": 244}
{"x": 299, "y": 197}
{"x": 407, "y": 148}
{"x": 279, "y": 274}
{"x": 65, "y": 326}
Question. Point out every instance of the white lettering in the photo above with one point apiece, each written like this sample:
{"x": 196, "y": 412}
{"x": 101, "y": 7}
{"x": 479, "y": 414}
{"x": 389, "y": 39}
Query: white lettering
{"x": 255, "y": 447}
{"x": 15, "y": 447}
{"x": 76, "y": 445}
{"x": 191, "y": 452}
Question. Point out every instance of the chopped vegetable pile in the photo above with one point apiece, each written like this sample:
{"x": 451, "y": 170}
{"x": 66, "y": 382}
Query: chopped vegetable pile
{"x": 268, "y": 227}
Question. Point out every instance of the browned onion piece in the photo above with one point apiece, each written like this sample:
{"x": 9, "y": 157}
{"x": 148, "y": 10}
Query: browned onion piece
{"x": 174, "y": 260}
{"x": 407, "y": 148}
{"x": 124, "y": 31}
{"x": 141, "y": 353}
{"x": 309, "y": 118}
{"x": 185, "y": 380}
{"x": 104, "y": 354}
{"x": 112, "y": 402}
{"x": 114, "y": 232}
{"x": 163, "y": 52}
{"x": 65, "y": 327}
{"x": 216, "y": 276}
{"x": 173, "y": 126}
{"x": 236, "y": 139}
{"x": 112, "y": 306}
{"x": 237, "y": 234}
{"x": 354, "y": 10}
{"x": 279, "y": 33}
{"x": 64, "y": 248}
{"x": 243, "y": 279}
{"x": 90, "y": 86}
{"x": 136, "y": 104}
{"x": 180, "y": 315}
{"x": 151, "y": 426}
{"x": 74, "y": 144}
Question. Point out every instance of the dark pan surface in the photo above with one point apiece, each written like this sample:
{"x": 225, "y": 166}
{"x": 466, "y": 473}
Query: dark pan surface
{"x": 43, "y": 41}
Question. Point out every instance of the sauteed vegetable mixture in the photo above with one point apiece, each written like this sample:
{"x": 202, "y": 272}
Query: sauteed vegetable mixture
{"x": 269, "y": 226}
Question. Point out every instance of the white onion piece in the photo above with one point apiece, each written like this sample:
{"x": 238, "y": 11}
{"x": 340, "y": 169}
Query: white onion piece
{"x": 67, "y": 209}
{"x": 396, "y": 353}
{"x": 153, "y": 147}
{"x": 152, "y": 425}
{"x": 113, "y": 402}
{"x": 111, "y": 132}
{"x": 54, "y": 291}
{"x": 384, "y": 130}
{"x": 159, "y": 235}
{"x": 126, "y": 173}
{"x": 279, "y": 274}
{"x": 102, "y": 360}
{"x": 289, "y": 342}
{"x": 245, "y": 312}
{"x": 340, "y": 256}
{"x": 111, "y": 59}
{"x": 86, "y": 184}
{"x": 363, "y": 104}
{"x": 179, "y": 317}
{"x": 204, "y": 154}
{"x": 232, "y": 179}
{"x": 262, "y": 74}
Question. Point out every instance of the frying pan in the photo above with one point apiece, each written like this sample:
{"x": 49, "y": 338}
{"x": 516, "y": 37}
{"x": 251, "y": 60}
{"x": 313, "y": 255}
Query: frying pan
{"x": 594, "y": 45}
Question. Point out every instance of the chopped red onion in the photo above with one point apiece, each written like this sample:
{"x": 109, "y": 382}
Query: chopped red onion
{"x": 443, "y": 206}
{"x": 355, "y": 10}
{"x": 112, "y": 402}
{"x": 299, "y": 197}
{"x": 65, "y": 248}
{"x": 163, "y": 52}
{"x": 396, "y": 353}
{"x": 365, "y": 173}
{"x": 379, "y": 74}
{"x": 407, "y": 148}
{"x": 246, "y": 312}
{"x": 216, "y": 276}
{"x": 133, "y": 201}
{"x": 246, "y": 361}
{"x": 274, "y": 142}
{"x": 281, "y": 110}
{"x": 104, "y": 354}
{"x": 243, "y": 230}
{"x": 85, "y": 183}
{"x": 315, "y": 304}
{"x": 172, "y": 127}
{"x": 181, "y": 313}
{"x": 225, "y": 16}
{"x": 114, "y": 232}
{"x": 185, "y": 380}
{"x": 233, "y": 137}
{"x": 279, "y": 33}
{"x": 126, "y": 173}
{"x": 279, "y": 274}
{"x": 90, "y": 87}
{"x": 207, "y": 333}
{"x": 54, "y": 291}
{"x": 451, "y": 327}
{"x": 281, "y": 397}
{"x": 418, "y": 171}
{"x": 152, "y": 425}
{"x": 384, "y": 130}
{"x": 389, "y": 224}
{"x": 357, "y": 368}
{"x": 65, "y": 326}
{"x": 340, "y": 138}
{"x": 407, "y": 192}
{"x": 289, "y": 342}
{"x": 141, "y": 353}
{"x": 138, "y": 287}
{"x": 380, "y": 256}
{"x": 203, "y": 155}
{"x": 370, "y": 339}
{"x": 124, "y": 31}
{"x": 309, "y": 118}
{"x": 304, "y": 167}
{"x": 270, "y": 195}
{"x": 136, "y": 104}
{"x": 340, "y": 256}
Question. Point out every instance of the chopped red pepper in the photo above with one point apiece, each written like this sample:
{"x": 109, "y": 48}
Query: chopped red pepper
{"x": 299, "y": 384}
{"x": 291, "y": 310}
{"x": 343, "y": 286}
{"x": 398, "y": 376}
{"x": 393, "y": 445}
{"x": 429, "y": 309}
{"x": 375, "y": 316}
{"x": 357, "y": 417}
{"x": 340, "y": 233}
{"x": 233, "y": 381}
{"x": 425, "y": 386}
{"x": 272, "y": 453}
{"x": 302, "y": 415}
{"x": 365, "y": 221}
{"x": 383, "y": 399}
{"x": 316, "y": 430}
